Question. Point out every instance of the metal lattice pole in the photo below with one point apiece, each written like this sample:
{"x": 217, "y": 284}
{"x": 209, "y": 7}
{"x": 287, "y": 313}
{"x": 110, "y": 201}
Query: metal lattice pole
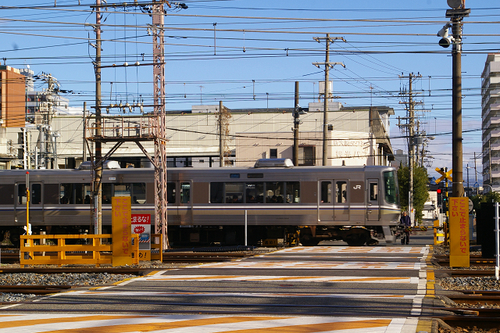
{"x": 160, "y": 159}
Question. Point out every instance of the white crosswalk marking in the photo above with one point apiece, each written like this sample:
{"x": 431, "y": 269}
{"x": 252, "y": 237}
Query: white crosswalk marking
{"x": 283, "y": 262}
{"x": 191, "y": 323}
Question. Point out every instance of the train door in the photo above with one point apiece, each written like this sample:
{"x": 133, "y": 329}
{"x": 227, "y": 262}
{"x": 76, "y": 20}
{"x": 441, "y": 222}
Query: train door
{"x": 341, "y": 211}
{"x": 35, "y": 204}
{"x": 186, "y": 202}
{"x": 325, "y": 209}
{"x": 373, "y": 211}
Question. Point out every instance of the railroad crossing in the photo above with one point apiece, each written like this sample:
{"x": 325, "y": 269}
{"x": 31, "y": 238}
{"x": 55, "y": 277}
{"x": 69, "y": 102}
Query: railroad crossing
{"x": 300, "y": 289}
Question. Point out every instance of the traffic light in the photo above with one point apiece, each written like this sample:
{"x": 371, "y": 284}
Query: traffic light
{"x": 439, "y": 197}
{"x": 445, "y": 202}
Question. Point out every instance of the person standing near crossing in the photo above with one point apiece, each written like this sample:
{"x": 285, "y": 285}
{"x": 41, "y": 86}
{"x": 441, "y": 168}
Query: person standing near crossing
{"x": 406, "y": 224}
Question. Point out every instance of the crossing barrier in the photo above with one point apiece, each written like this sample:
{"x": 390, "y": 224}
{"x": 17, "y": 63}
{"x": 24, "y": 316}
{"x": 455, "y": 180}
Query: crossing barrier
{"x": 82, "y": 250}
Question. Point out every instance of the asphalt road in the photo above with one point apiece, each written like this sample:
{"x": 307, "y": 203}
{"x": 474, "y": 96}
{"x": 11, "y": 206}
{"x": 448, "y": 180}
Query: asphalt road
{"x": 329, "y": 287}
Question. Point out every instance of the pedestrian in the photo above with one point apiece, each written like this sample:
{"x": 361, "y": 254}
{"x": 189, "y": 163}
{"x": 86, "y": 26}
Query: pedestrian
{"x": 406, "y": 224}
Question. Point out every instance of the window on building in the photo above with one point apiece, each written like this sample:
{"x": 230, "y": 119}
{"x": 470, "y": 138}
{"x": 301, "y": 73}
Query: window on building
{"x": 307, "y": 155}
{"x": 273, "y": 153}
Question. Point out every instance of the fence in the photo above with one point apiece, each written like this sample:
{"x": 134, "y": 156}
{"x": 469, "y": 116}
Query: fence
{"x": 86, "y": 250}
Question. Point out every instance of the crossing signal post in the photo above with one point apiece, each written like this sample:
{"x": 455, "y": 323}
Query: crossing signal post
{"x": 445, "y": 175}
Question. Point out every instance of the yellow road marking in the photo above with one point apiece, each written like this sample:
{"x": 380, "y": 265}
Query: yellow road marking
{"x": 318, "y": 327}
{"x": 149, "y": 327}
{"x": 30, "y": 322}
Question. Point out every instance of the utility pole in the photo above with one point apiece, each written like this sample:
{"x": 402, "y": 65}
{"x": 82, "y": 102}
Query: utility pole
{"x": 457, "y": 14}
{"x": 475, "y": 173}
{"x": 97, "y": 163}
{"x": 411, "y": 133}
{"x": 296, "y": 123}
{"x": 327, "y": 65}
{"x": 157, "y": 124}
{"x": 160, "y": 157}
{"x": 221, "y": 139}
{"x": 223, "y": 124}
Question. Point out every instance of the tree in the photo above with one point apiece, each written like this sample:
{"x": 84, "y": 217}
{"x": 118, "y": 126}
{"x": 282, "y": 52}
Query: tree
{"x": 488, "y": 197}
{"x": 420, "y": 192}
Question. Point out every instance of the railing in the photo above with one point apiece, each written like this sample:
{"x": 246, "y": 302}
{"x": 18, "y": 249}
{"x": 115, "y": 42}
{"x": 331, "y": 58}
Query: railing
{"x": 121, "y": 127}
{"x": 53, "y": 250}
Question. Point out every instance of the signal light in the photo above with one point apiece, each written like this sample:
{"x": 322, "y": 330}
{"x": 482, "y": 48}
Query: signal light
{"x": 439, "y": 191}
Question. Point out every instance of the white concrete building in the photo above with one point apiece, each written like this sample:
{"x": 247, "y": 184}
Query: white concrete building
{"x": 357, "y": 136}
{"x": 490, "y": 92}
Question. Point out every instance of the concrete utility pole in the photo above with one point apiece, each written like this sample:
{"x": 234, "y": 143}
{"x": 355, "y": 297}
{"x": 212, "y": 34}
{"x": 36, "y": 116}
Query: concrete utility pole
{"x": 296, "y": 123}
{"x": 327, "y": 65}
{"x": 97, "y": 163}
{"x": 411, "y": 134}
{"x": 223, "y": 117}
{"x": 221, "y": 138}
{"x": 457, "y": 14}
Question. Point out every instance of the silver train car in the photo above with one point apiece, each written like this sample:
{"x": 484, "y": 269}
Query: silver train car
{"x": 208, "y": 206}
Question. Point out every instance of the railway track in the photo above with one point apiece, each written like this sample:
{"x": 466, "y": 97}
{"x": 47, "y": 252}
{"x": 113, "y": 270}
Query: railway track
{"x": 33, "y": 289}
{"x": 464, "y": 272}
{"x": 173, "y": 257}
{"x": 475, "y": 310}
{"x": 168, "y": 257}
{"x": 474, "y": 261}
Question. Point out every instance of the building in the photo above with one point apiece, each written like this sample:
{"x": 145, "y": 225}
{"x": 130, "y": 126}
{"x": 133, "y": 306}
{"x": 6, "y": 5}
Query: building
{"x": 356, "y": 136}
{"x": 490, "y": 92}
{"x": 12, "y": 112}
{"x": 54, "y": 135}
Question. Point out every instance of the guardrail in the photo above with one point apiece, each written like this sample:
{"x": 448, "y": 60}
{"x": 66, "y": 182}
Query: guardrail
{"x": 87, "y": 250}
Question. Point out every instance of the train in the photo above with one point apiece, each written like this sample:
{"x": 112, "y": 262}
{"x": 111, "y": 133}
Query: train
{"x": 270, "y": 203}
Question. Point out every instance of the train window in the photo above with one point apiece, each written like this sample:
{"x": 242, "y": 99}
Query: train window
{"x": 292, "y": 192}
{"x": 216, "y": 192}
{"x": 51, "y": 193}
{"x": 107, "y": 193}
{"x": 234, "y": 192}
{"x": 21, "y": 194}
{"x": 185, "y": 192}
{"x": 254, "y": 192}
{"x": 6, "y": 194}
{"x": 139, "y": 193}
{"x": 326, "y": 192}
{"x": 373, "y": 191}
{"x": 391, "y": 187}
{"x": 71, "y": 194}
{"x": 122, "y": 190}
{"x": 341, "y": 191}
{"x": 87, "y": 193}
{"x": 36, "y": 194}
{"x": 170, "y": 193}
{"x": 274, "y": 192}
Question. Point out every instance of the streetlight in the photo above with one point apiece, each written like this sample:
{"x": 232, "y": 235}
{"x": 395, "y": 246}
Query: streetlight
{"x": 456, "y": 14}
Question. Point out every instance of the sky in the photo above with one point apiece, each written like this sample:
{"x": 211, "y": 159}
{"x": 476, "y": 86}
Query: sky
{"x": 248, "y": 54}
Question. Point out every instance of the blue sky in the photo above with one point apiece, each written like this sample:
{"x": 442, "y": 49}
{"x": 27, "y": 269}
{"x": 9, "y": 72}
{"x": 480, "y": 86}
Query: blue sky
{"x": 259, "y": 49}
